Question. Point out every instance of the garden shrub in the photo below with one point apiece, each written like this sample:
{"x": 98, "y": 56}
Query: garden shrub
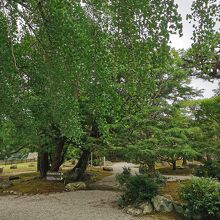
{"x": 201, "y": 197}
{"x": 160, "y": 179}
{"x": 143, "y": 169}
{"x": 137, "y": 189}
{"x": 124, "y": 176}
{"x": 209, "y": 169}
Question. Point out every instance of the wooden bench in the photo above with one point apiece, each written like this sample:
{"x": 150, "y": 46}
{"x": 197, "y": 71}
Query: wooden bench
{"x": 53, "y": 176}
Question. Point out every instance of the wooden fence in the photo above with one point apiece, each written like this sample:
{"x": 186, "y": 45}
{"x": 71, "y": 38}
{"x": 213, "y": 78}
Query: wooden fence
{"x": 10, "y": 162}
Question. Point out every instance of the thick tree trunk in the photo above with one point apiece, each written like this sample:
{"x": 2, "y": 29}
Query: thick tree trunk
{"x": 80, "y": 168}
{"x": 57, "y": 157}
{"x": 174, "y": 164}
{"x": 184, "y": 162}
{"x": 44, "y": 165}
{"x": 63, "y": 156}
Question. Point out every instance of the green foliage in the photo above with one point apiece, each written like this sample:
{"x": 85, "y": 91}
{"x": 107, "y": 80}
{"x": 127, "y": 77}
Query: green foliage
{"x": 124, "y": 176}
{"x": 202, "y": 198}
{"x": 138, "y": 188}
{"x": 96, "y": 75}
{"x": 144, "y": 170}
{"x": 203, "y": 54}
{"x": 210, "y": 168}
{"x": 72, "y": 153}
{"x": 206, "y": 117}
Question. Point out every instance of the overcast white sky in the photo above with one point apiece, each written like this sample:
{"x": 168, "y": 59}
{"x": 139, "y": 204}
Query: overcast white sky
{"x": 185, "y": 42}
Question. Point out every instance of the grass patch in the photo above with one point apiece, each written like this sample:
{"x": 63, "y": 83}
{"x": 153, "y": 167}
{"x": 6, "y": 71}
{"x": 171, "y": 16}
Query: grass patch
{"x": 99, "y": 173}
{"x": 178, "y": 171}
{"x": 30, "y": 183}
{"x": 172, "y": 188}
{"x": 37, "y": 186}
{"x": 167, "y": 216}
{"x": 21, "y": 168}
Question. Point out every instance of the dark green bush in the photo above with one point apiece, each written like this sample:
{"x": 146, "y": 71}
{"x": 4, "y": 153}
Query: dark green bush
{"x": 124, "y": 176}
{"x": 143, "y": 169}
{"x": 138, "y": 188}
{"x": 209, "y": 169}
{"x": 202, "y": 198}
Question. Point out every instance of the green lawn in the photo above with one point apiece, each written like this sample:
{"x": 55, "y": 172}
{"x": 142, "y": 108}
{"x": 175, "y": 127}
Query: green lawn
{"x": 21, "y": 168}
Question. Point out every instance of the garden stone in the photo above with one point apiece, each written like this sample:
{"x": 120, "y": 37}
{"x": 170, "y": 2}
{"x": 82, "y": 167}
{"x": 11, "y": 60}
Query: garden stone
{"x": 108, "y": 163}
{"x": 107, "y": 168}
{"x": 162, "y": 204}
{"x": 178, "y": 208}
{"x": 133, "y": 211}
{"x": 13, "y": 167}
{"x": 75, "y": 186}
{"x": 13, "y": 177}
{"x": 146, "y": 207}
{"x": 5, "y": 184}
{"x": 168, "y": 197}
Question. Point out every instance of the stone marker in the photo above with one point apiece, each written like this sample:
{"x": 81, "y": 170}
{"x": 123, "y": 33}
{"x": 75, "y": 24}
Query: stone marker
{"x": 107, "y": 168}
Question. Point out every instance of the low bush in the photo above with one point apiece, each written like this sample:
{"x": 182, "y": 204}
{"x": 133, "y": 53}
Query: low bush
{"x": 138, "y": 188}
{"x": 124, "y": 176}
{"x": 209, "y": 169}
{"x": 201, "y": 197}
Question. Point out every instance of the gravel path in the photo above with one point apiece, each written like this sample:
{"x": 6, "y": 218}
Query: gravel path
{"x": 110, "y": 182}
{"x": 80, "y": 205}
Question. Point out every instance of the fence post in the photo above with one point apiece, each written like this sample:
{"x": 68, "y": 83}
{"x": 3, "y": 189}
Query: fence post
{"x": 104, "y": 161}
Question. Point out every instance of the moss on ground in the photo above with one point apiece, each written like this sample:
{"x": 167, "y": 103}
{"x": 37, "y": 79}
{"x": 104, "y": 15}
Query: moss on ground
{"x": 98, "y": 172}
{"x": 167, "y": 216}
{"x": 21, "y": 167}
{"x": 30, "y": 183}
{"x": 178, "y": 171}
{"x": 172, "y": 188}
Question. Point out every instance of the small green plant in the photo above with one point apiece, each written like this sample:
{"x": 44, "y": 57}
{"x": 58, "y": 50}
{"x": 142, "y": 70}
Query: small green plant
{"x": 209, "y": 169}
{"x": 124, "y": 176}
{"x": 143, "y": 169}
{"x": 160, "y": 179}
{"x": 201, "y": 197}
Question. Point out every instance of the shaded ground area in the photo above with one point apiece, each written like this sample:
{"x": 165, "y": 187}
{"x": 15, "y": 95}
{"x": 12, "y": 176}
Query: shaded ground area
{"x": 30, "y": 183}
